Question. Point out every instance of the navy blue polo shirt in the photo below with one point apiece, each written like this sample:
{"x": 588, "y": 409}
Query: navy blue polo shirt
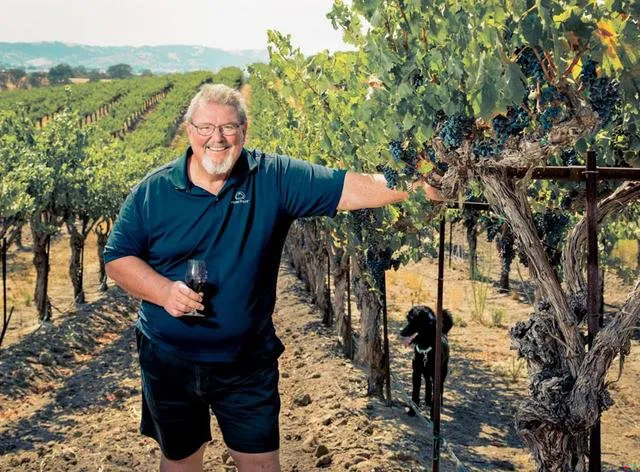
{"x": 239, "y": 232}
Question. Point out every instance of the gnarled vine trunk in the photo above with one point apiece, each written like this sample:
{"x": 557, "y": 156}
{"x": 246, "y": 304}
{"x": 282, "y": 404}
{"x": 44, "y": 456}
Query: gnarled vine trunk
{"x": 76, "y": 243}
{"x": 566, "y": 383}
{"x": 370, "y": 343}
{"x": 505, "y": 243}
{"x": 470, "y": 223}
{"x": 102, "y": 234}
{"x": 16, "y": 238}
{"x": 41, "y": 239}
{"x": 308, "y": 254}
{"x": 295, "y": 248}
{"x": 77, "y": 238}
{"x": 316, "y": 256}
{"x": 340, "y": 271}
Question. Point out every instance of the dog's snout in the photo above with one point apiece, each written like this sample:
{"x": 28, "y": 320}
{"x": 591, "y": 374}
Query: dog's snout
{"x": 407, "y": 331}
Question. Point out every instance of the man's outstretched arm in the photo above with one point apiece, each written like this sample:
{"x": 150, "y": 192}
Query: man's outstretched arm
{"x": 371, "y": 191}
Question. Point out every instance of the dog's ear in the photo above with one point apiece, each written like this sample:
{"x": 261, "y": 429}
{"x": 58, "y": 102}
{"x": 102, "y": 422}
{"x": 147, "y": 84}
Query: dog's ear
{"x": 447, "y": 321}
{"x": 429, "y": 315}
{"x": 412, "y": 314}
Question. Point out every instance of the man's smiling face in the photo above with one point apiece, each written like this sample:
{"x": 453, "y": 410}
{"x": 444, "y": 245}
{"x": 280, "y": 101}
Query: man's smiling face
{"x": 218, "y": 152}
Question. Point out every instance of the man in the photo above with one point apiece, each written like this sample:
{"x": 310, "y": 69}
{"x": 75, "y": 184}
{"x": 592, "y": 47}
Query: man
{"x": 231, "y": 208}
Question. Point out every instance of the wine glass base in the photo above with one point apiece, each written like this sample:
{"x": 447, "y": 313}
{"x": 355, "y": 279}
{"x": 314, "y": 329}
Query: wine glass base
{"x": 195, "y": 314}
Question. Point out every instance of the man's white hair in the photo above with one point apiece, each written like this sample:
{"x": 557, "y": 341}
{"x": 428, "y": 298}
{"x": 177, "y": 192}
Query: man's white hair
{"x": 219, "y": 94}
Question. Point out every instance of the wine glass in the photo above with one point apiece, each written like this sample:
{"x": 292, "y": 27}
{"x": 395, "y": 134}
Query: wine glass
{"x": 196, "y": 279}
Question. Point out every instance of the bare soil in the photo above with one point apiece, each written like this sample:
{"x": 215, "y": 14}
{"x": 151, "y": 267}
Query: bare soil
{"x": 70, "y": 395}
{"x": 486, "y": 381}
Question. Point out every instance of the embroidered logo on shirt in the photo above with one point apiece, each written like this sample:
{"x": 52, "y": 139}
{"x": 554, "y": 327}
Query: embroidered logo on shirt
{"x": 239, "y": 197}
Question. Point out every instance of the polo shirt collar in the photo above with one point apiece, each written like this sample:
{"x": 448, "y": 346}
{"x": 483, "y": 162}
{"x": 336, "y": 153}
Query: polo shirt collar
{"x": 179, "y": 178}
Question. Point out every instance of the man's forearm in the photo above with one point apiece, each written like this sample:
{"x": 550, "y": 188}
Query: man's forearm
{"x": 371, "y": 191}
{"x": 137, "y": 278}
{"x": 367, "y": 191}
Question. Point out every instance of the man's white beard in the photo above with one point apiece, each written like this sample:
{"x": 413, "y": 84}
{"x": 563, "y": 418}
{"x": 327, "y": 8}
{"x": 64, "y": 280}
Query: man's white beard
{"x": 215, "y": 168}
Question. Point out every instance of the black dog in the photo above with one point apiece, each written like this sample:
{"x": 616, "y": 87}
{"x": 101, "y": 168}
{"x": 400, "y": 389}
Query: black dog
{"x": 421, "y": 332}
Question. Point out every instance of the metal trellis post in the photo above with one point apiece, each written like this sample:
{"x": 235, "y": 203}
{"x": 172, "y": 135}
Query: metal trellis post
{"x": 437, "y": 378}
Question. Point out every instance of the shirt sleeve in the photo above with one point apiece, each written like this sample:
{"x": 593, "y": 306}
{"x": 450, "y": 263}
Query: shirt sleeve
{"x": 309, "y": 189}
{"x": 128, "y": 236}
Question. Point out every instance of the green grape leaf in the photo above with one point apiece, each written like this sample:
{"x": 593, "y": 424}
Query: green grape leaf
{"x": 532, "y": 28}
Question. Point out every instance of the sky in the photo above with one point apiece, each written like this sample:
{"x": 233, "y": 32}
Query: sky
{"x": 224, "y": 24}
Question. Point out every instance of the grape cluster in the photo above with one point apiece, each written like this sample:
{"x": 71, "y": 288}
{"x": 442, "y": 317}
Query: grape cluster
{"x": 431, "y": 154}
{"x": 485, "y": 149}
{"x": 454, "y": 129}
{"x": 506, "y": 242}
{"x": 603, "y": 97}
{"x": 500, "y": 126}
{"x": 547, "y": 117}
{"x": 569, "y": 157}
{"x": 417, "y": 80}
{"x": 439, "y": 118}
{"x": 396, "y": 150}
{"x": 492, "y": 225}
{"x": 378, "y": 261}
{"x": 550, "y": 94}
{"x": 506, "y": 247}
{"x": 363, "y": 218}
{"x": 552, "y": 227}
{"x": 390, "y": 175}
{"x": 514, "y": 123}
{"x": 407, "y": 156}
{"x": 442, "y": 167}
{"x": 411, "y": 169}
{"x": 529, "y": 64}
{"x": 366, "y": 221}
{"x": 395, "y": 263}
{"x": 588, "y": 73}
{"x": 566, "y": 203}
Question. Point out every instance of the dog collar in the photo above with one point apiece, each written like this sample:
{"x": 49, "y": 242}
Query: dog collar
{"x": 423, "y": 351}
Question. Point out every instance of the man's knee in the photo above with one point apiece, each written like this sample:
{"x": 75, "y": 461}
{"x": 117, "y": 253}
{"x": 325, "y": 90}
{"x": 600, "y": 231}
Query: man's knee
{"x": 259, "y": 462}
{"x": 192, "y": 463}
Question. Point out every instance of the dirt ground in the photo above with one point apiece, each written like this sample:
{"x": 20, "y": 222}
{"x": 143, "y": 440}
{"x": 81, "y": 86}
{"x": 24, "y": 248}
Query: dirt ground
{"x": 486, "y": 380}
{"x": 70, "y": 398}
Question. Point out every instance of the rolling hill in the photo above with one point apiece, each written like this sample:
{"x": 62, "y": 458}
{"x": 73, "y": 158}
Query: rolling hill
{"x": 170, "y": 58}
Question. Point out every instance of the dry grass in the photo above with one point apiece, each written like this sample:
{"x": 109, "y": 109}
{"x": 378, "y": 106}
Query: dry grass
{"x": 627, "y": 251}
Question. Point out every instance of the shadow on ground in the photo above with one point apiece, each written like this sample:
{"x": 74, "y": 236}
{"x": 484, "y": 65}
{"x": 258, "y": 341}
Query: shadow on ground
{"x": 77, "y": 365}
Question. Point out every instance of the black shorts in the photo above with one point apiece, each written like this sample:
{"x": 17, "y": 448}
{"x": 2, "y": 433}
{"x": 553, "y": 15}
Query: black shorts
{"x": 178, "y": 394}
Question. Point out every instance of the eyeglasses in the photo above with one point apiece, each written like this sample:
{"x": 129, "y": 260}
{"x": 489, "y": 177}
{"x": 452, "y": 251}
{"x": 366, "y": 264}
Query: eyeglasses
{"x": 229, "y": 129}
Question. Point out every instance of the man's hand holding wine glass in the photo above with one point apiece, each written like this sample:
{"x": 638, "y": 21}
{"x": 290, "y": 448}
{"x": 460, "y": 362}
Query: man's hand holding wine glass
{"x": 180, "y": 300}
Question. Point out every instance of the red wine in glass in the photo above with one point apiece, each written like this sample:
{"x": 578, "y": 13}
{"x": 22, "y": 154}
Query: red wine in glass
{"x": 196, "y": 279}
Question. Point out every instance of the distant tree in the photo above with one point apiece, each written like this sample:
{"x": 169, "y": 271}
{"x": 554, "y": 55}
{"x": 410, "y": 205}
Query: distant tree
{"x": 15, "y": 75}
{"x": 60, "y": 74}
{"x": 4, "y": 79}
{"x": 96, "y": 75}
{"x": 146, "y": 73}
{"x": 36, "y": 79}
{"x": 120, "y": 71}
{"x": 80, "y": 71}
